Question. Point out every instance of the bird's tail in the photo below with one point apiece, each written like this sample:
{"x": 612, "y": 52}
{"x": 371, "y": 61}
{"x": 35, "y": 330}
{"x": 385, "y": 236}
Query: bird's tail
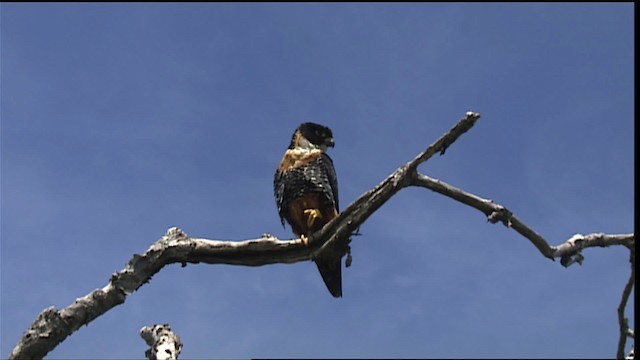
{"x": 331, "y": 271}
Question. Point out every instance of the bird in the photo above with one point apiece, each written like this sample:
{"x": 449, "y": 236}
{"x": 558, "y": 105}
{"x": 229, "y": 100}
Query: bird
{"x": 306, "y": 192}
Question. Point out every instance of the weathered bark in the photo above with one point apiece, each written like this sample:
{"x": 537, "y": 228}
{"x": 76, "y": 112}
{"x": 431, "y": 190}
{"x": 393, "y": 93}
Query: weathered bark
{"x": 163, "y": 343}
{"x": 52, "y": 326}
{"x": 623, "y": 322}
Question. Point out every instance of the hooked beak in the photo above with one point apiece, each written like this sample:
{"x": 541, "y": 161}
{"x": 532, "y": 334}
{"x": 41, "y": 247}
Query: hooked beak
{"x": 329, "y": 142}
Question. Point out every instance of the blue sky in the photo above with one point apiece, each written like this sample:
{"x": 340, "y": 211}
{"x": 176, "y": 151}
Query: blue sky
{"x": 119, "y": 121}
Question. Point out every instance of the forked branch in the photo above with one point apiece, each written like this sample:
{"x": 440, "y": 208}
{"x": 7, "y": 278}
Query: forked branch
{"x": 52, "y": 326}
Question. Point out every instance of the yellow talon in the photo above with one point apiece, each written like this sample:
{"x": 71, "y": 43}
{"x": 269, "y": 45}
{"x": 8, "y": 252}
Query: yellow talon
{"x": 305, "y": 240}
{"x": 313, "y": 215}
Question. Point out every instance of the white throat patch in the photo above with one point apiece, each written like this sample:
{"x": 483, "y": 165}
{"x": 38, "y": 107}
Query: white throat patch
{"x": 306, "y": 146}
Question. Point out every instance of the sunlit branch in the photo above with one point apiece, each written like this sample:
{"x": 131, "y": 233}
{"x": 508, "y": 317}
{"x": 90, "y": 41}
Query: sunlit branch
{"x": 163, "y": 343}
{"x": 569, "y": 252}
{"x": 52, "y": 326}
{"x": 494, "y": 212}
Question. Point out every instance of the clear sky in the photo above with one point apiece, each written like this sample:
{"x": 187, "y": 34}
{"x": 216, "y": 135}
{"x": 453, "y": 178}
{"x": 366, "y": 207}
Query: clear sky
{"x": 119, "y": 121}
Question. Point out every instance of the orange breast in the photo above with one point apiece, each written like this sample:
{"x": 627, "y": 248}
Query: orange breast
{"x": 299, "y": 218}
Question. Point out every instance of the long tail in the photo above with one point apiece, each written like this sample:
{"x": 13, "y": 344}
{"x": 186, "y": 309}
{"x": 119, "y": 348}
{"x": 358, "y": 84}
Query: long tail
{"x": 331, "y": 271}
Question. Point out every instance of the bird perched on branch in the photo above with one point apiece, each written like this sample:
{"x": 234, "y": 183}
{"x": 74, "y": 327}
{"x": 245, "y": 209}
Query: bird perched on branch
{"x": 306, "y": 191}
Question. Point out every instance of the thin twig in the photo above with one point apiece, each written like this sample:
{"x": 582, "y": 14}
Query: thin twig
{"x": 622, "y": 320}
{"x": 494, "y": 212}
{"x": 568, "y": 252}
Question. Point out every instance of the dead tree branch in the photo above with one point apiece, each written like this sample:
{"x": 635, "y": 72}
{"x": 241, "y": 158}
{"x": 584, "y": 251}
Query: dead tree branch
{"x": 494, "y": 212}
{"x": 568, "y": 252}
{"x": 625, "y": 331}
{"x": 52, "y": 326}
{"x": 163, "y": 343}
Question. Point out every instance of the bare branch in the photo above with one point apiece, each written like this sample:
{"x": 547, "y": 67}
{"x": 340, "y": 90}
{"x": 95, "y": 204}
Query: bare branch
{"x": 52, "y": 326}
{"x": 357, "y": 213}
{"x": 568, "y": 252}
{"x": 625, "y": 331}
{"x": 494, "y": 212}
{"x": 163, "y": 343}
{"x": 442, "y": 144}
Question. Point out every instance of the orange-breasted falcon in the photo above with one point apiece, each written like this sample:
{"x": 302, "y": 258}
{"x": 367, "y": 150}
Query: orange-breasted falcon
{"x": 306, "y": 191}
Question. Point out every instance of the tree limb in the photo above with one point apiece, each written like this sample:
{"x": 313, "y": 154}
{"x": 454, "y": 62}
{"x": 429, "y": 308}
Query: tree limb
{"x": 568, "y": 252}
{"x": 163, "y": 343}
{"x": 494, "y": 212}
{"x": 348, "y": 221}
{"x": 625, "y": 331}
{"x": 52, "y": 326}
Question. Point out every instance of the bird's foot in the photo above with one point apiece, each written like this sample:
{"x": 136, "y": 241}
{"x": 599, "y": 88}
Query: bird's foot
{"x": 312, "y": 214}
{"x": 304, "y": 239}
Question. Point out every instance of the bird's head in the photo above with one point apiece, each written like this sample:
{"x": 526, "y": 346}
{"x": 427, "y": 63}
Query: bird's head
{"x": 312, "y": 136}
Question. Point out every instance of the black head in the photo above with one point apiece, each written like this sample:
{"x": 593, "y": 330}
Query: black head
{"x": 316, "y": 134}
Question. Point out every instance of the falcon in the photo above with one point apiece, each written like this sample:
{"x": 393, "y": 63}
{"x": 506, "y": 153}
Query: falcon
{"x": 306, "y": 191}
